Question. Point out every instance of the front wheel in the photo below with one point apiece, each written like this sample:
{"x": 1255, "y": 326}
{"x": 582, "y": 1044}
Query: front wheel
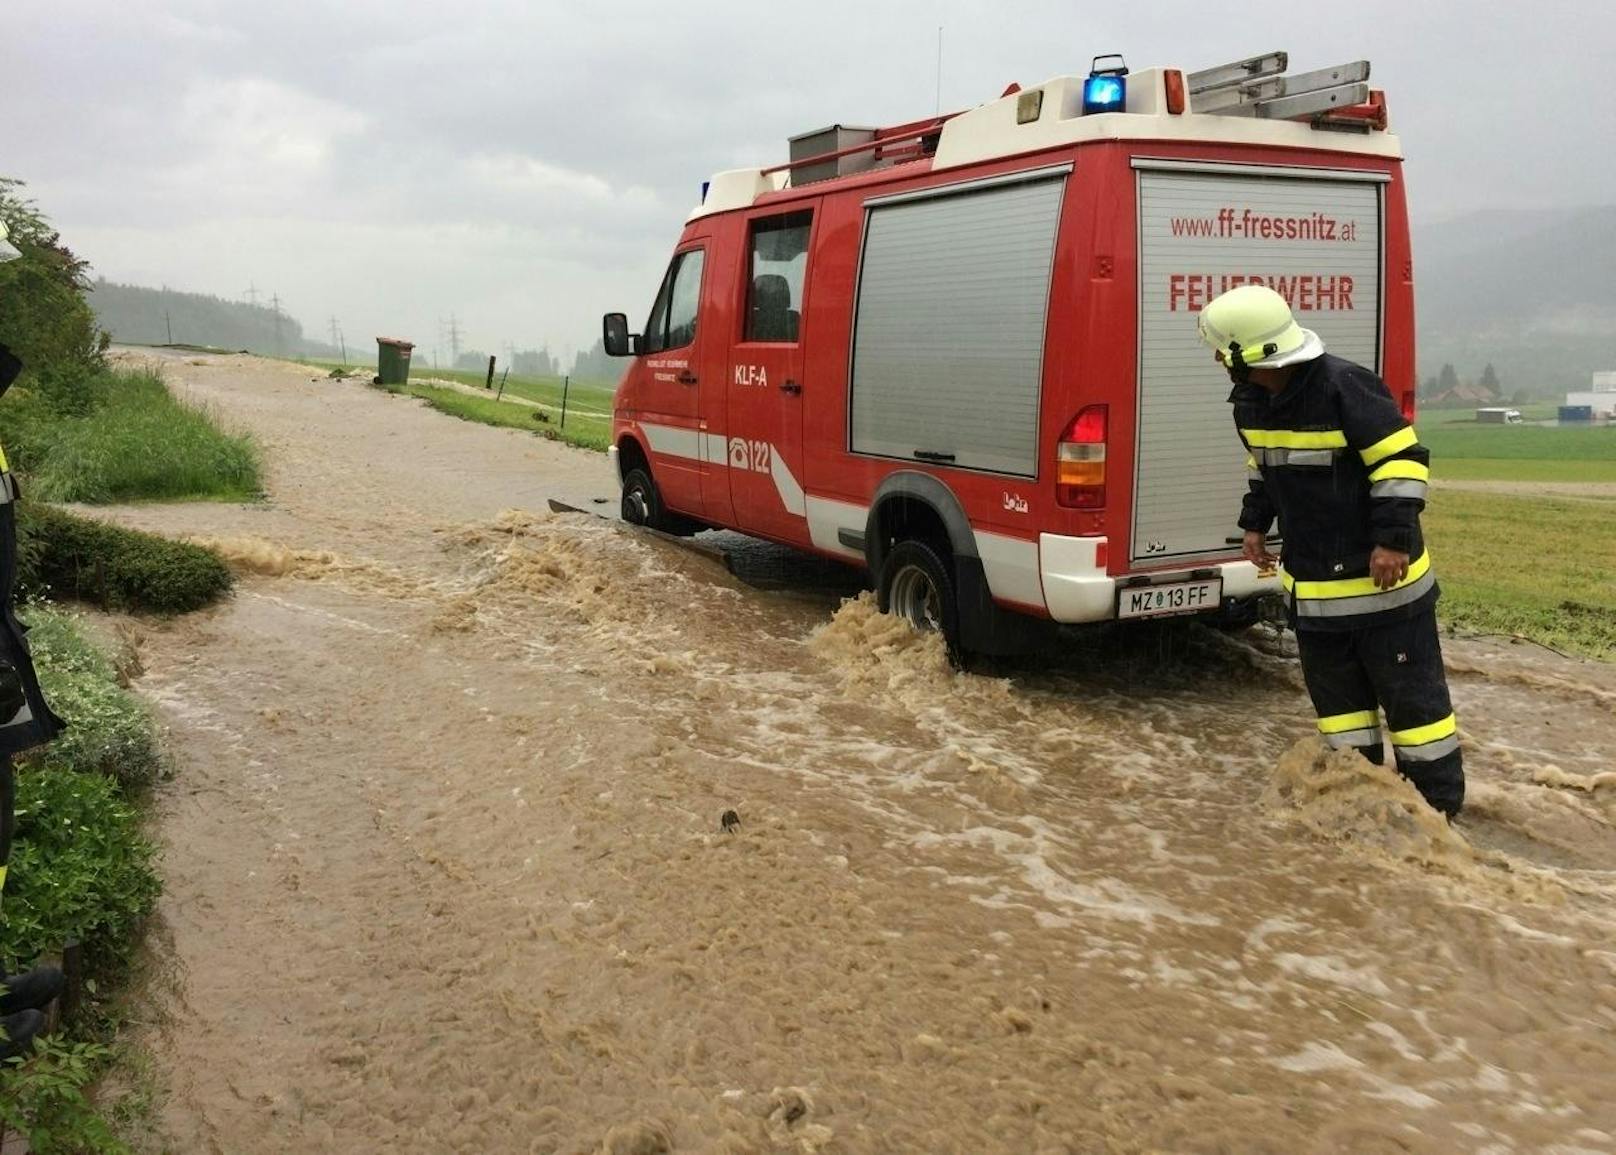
{"x": 915, "y": 584}
{"x": 642, "y": 504}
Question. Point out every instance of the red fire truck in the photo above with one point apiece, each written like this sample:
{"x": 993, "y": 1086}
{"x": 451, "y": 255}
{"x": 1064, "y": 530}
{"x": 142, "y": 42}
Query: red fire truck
{"x": 963, "y": 352}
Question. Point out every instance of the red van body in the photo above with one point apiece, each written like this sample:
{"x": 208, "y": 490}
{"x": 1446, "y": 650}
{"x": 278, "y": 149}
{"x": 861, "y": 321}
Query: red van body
{"x": 984, "y": 342}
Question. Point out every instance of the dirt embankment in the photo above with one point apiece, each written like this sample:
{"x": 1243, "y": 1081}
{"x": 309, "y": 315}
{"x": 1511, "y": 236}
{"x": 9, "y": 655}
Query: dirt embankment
{"x": 446, "y": 872}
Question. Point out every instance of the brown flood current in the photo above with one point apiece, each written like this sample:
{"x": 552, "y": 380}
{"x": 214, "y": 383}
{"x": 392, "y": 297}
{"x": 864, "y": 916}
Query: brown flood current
{"x": 445, "y": 869}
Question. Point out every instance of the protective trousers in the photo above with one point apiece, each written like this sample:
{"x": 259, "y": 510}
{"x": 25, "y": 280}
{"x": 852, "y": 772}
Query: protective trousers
{"x": 1396, "y": 666}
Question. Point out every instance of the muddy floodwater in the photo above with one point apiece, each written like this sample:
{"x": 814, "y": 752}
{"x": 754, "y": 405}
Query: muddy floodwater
{"x": 445, "y": 867}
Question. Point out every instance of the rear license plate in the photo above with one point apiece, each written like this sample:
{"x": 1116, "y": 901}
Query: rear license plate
{"x": 1169, "y": 598}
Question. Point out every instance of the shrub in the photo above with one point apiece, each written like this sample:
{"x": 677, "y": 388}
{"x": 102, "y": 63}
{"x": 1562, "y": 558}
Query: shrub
{"x": 80, "y": 868}
{"x": 27, "y": 426}
{"x": 110, "y": 731}
{"x": 44, "y": 317}
{"x": 107, "y": 565}
{"x": 44, "y": 1100}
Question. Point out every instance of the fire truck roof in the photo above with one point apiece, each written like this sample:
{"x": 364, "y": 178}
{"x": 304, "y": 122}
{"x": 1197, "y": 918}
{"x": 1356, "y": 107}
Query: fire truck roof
{"x": 1247, "y": 102}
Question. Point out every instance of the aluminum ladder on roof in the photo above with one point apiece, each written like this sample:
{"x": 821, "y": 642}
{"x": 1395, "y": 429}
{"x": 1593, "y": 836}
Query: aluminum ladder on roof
{"x": 1256, "y": 87}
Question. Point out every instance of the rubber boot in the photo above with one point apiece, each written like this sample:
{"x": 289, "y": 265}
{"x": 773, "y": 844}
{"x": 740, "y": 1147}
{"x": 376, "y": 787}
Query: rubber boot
{"x": 19, "y": 1031}
{"x": 33, "y": 991}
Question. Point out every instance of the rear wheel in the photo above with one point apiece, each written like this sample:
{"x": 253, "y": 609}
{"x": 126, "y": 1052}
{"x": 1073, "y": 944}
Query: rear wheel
{"x": 915, "y": 584}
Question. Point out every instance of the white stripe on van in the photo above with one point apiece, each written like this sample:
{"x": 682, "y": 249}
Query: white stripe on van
{"x": 714, "y": 449}
{"x": 1011, "y": 565}
{"x": 673, "y": 440}
{"x": 791, "y": 495}
{"x": 826, "y": 518}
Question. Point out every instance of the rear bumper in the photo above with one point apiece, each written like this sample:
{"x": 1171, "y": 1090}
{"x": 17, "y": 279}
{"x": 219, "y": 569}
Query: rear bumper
{"x": 1077, "y": 588}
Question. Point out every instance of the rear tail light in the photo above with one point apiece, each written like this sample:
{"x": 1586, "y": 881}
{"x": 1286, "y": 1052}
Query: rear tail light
{"x": 1408, "y": 405}
{"x": 1080, "y": 461}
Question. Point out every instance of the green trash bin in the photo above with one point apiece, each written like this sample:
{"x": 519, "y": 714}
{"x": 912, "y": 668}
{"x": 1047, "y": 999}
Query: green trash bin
{"x": 393, "y": 361}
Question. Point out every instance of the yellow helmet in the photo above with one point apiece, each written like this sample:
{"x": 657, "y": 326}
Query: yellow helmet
{"x": 1252, "y": 325}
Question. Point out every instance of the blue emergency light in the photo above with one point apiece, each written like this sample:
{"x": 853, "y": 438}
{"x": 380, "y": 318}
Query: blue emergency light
{"x": 1105, "y": 90}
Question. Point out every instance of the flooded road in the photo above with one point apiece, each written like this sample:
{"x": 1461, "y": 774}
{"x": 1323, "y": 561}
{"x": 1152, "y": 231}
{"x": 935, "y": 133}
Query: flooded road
{"x": 445, "y": 867}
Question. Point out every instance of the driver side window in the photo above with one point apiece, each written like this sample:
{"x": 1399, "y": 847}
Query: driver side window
{"x": 672, "y": 324}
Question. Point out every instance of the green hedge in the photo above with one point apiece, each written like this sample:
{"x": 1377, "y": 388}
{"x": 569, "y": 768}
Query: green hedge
{"x": 110, "y": 731}
{"x": 75, "y": 557}
{"x": 80, "y": 868}
{"x": 46, "y": 1101}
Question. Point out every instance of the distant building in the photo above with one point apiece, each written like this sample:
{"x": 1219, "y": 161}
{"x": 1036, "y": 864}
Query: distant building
{"x": 1466, "y": 394}
{"x": 1600, "y": 400}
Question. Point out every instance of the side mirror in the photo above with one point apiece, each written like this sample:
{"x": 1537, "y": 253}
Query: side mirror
{"x": 615, "y": 336}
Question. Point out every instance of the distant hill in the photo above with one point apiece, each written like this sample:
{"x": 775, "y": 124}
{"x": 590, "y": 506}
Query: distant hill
{"x": 162, "y": 316}
{"x": 1531, "y": 292}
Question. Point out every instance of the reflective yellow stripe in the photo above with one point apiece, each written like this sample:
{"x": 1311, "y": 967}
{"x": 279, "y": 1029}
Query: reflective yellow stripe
{"x": 1420, "y": 735}
{"x": 1412, "y": 470}
{"x": 1341, "y": 723}
{"x": 1294, "y": 438}
{"x": 1354, "y": 587}
{"x": 1387, "y": 446}
{"x": 2, "y": 877}
{"x": 1251, "y": 462}
{"x": 5, "y": 466}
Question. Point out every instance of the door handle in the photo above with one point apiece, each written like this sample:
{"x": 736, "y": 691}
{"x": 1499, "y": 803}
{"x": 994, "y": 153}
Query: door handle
{"x": 686, "y": 378}
{"x": 790, "y": 386}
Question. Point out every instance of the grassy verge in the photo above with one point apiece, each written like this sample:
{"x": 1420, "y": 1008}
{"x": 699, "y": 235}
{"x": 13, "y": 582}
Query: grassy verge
{"x": 583, "y": 397}
{"x": 82, "y": 870}
{"x": 105, "y": 435}
{"x": 588, "y": 403}
{"x": 1538, "y": 567}
{"x": 586, "y": 432}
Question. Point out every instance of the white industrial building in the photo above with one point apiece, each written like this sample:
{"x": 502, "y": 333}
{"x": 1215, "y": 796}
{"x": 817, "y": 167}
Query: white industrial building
{"x": 1601, "y": 397}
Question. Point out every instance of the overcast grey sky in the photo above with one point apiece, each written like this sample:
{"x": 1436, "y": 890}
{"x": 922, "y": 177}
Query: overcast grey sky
{"x": 526, "y": 165}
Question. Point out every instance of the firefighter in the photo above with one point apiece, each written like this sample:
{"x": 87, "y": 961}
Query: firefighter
{"x": 25, "y": 721}
{"x": 1331, "y": 455}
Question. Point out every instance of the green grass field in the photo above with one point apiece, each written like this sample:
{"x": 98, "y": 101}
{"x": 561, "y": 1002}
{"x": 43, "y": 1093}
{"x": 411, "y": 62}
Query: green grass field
{"x": 584, "y": 431}
{"x": 588, "y": 403}
{"x": 1519, "y": 442}
{"x": 589, "y": 397}
{"x": 1522, "y": 470}
{"x": 1466, "y": 414}
{"x": 1540, "y": 567}
{"x": 1543, "y": 568}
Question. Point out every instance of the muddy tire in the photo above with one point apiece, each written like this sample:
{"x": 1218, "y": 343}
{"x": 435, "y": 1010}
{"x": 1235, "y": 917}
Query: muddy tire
{"x": 642, "y": 503}
{"x": 915, "y": 583}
